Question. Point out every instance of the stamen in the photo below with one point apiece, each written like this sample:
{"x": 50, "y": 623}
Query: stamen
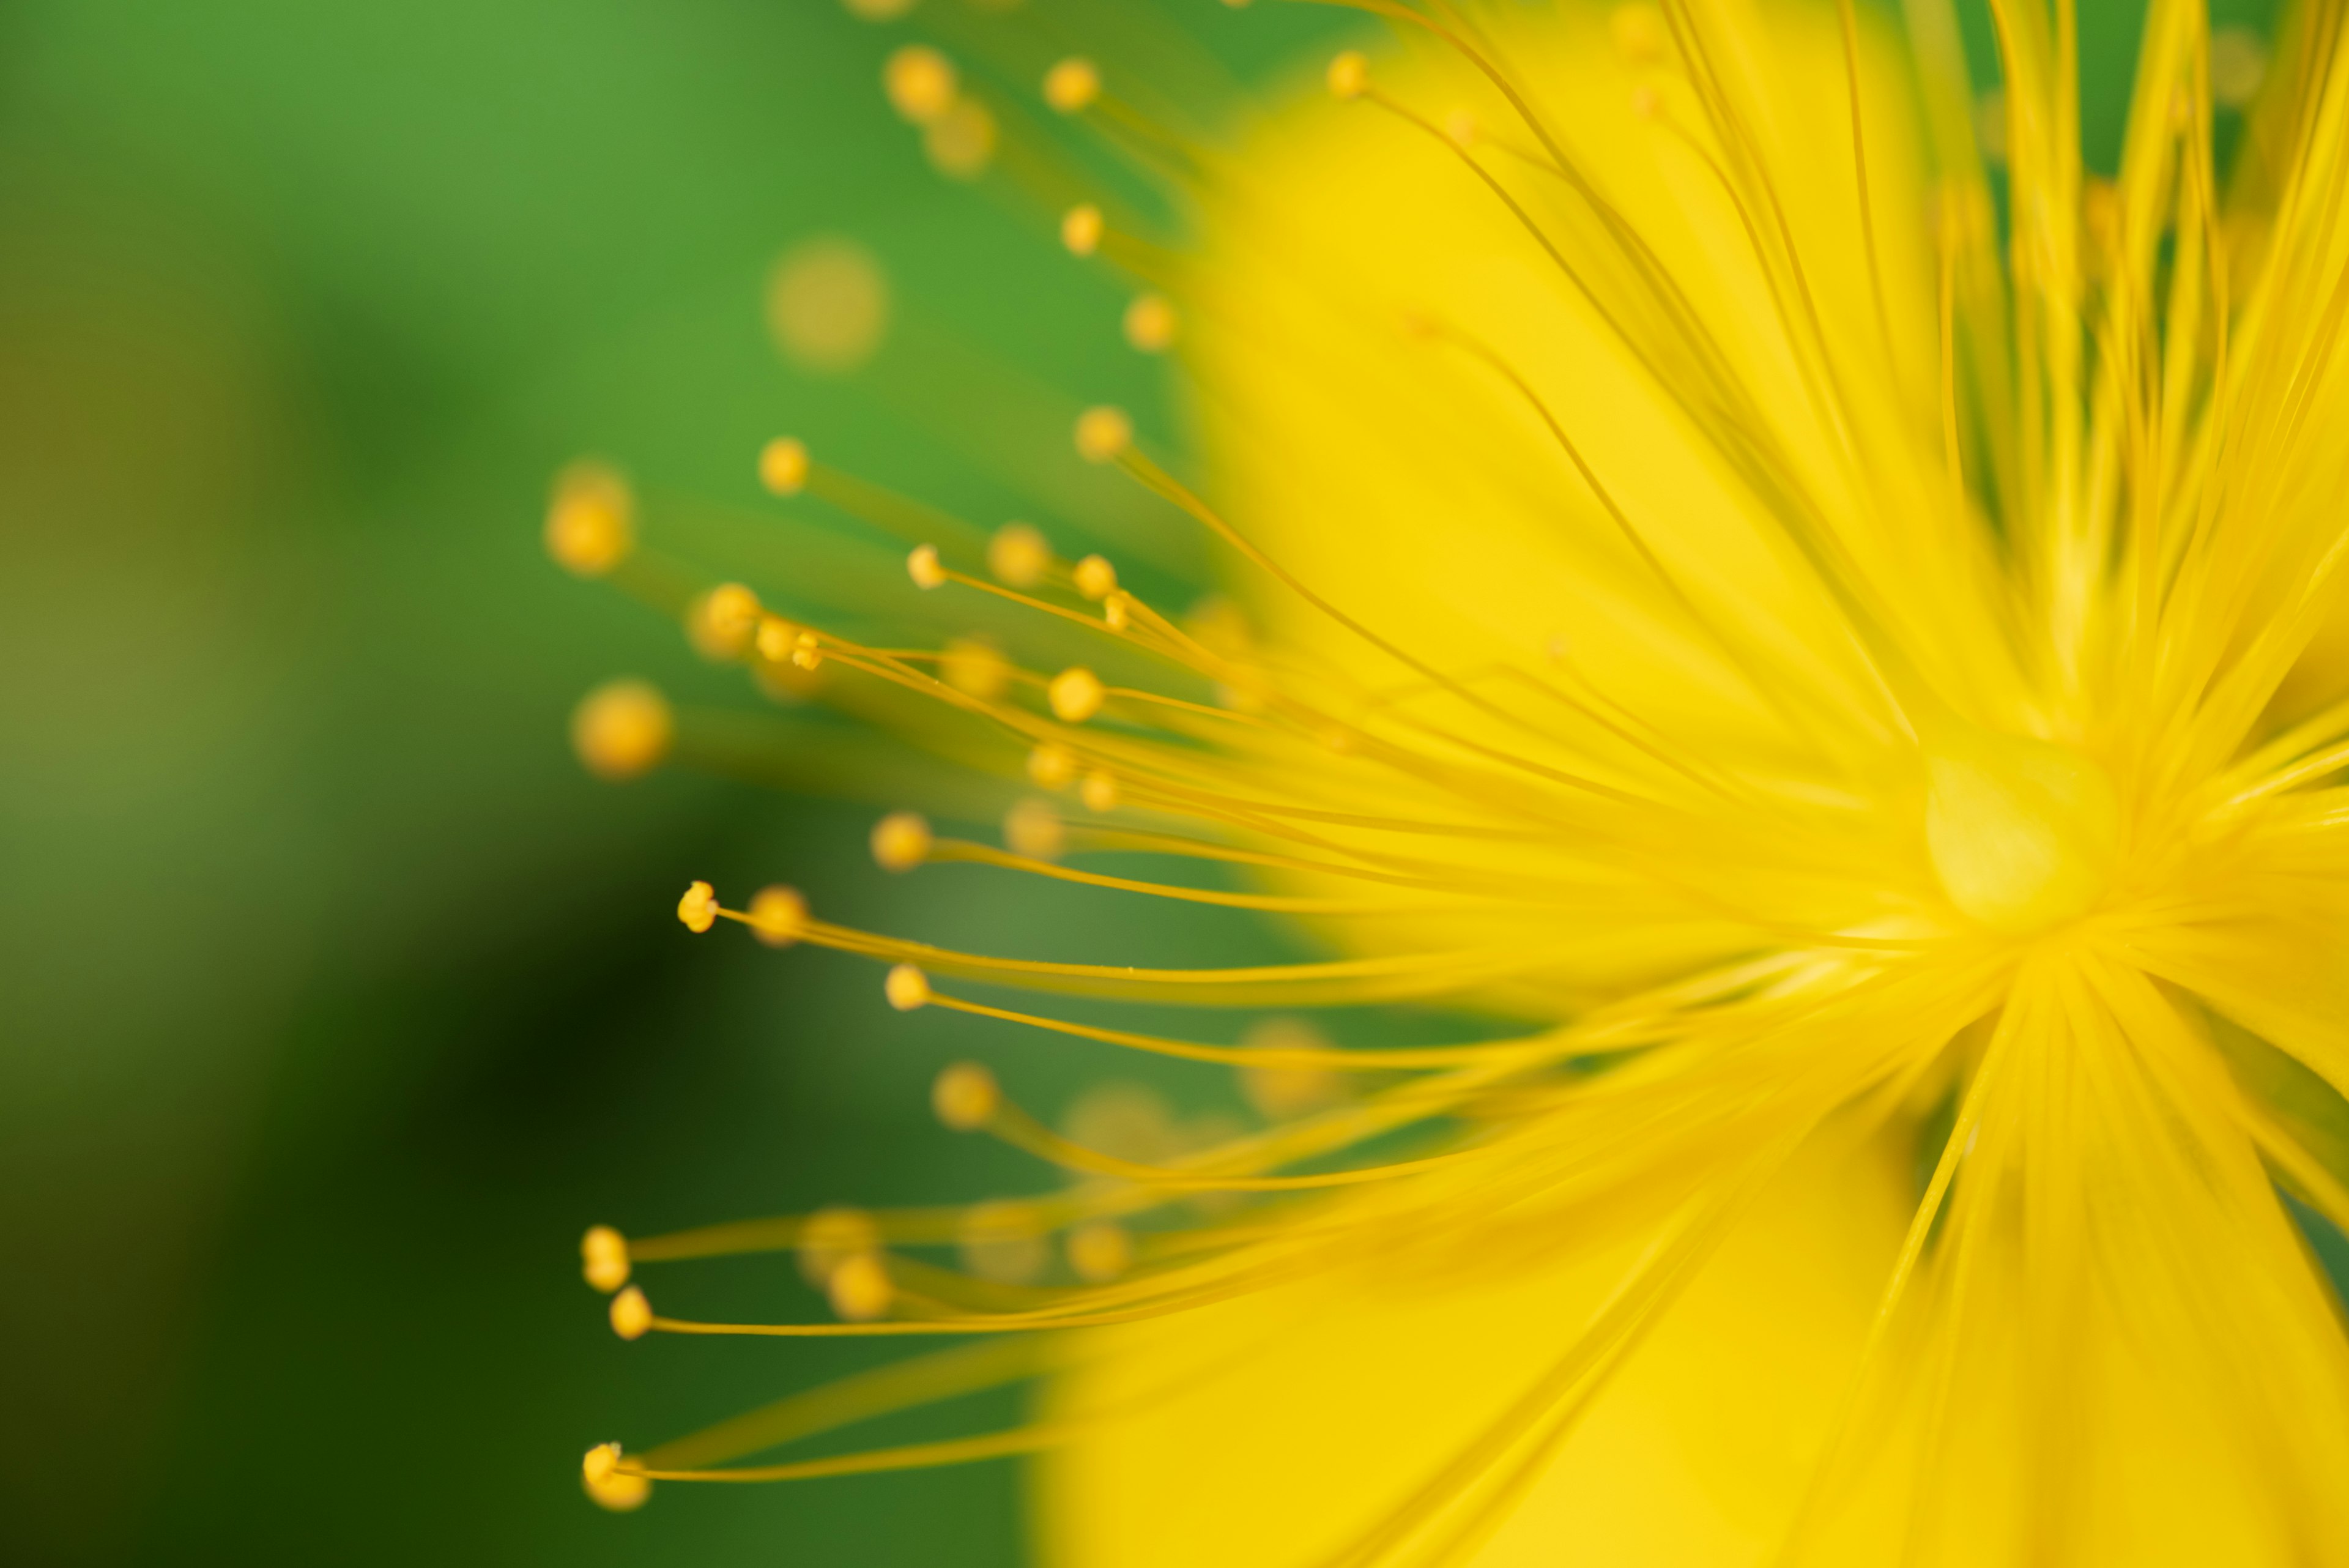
{"x": 1099, "y": 1250}
{"x": 1071, "y": 86}
{"x": 1095, "y": 578}
{"x": 965, "y": 1096}
{"x": 1081, "y": 230}
{"x": 921, "y": 83}
{"x": 616, "y": 1489}
{"x": 604, "y": 1258}
{"x": 922, "y": 565}
{"x": 622, "y": 730}
{"x": 778, "y": 916}
{"x": 860, "y": 1289}
{"x": 1017, "y": 555}
{"x": 1076, "y": 695}
{"x": 590, "y": 520}
{"x": 699, "y": 908}
{"x": 901, "y": 841}
{"x": 632, "y": 1315}
{"x": 783, "y": 465}
{"x": 906, "y": 987}
{"x": 1151, "y": 324}
{"x": 1032, "y": 828}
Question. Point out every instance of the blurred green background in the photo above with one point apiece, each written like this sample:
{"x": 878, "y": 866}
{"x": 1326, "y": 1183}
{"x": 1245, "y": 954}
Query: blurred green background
{"x": 337, "y": 1000}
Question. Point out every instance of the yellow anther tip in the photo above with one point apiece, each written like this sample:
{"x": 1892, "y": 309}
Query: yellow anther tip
{"x": 1117, "y": 609}
{"x": 1071, "y": 86}
{"x": 609, "y": 1486}
{"x": 965, "y": 1096}
{"x": 1099, "y": 1250}
{"x": 1081, "y": 230}
{"x": 1103, "y": 434}
{"x": 1151, "y": 324}
{"x": 1075, "y": 694}
{"x": 878, "y": 10}
{"x": 783, "y": 465}
{"x": 1017, "y": 555}
{"x": 1033, "y": 828}
{"x": 622, "y": 730}
{"x": 776, "y": 638}
{"x": 779, "y": 915}
{"x": 604, "y": 1258}
{"x": 1095, "y": 578}
{"x": 908, "y": 988}
{"x": 1349, "y": 75}
{"x": 960, "y": 142}
{"x": 976, "y": 667}
{"x": 632, "y": 1315}
{"x": 1099, "y": 791}
{"x": 920, "y": 83}
{"x": 901, "y": 841}
{"x": 922, "y": 565}
{"x": 1052, "y": 765}
{"x": 590, "y": 520}
{"x": 699, "y": 908}
{"x": 859, "y": 1288}
{"x": 721, "y": 622}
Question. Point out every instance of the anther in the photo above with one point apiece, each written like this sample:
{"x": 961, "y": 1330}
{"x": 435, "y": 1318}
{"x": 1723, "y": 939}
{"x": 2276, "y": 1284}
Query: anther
{"x": 1099, "y": 791}
{"x": 961, "y": 141}
{"x": 1018, "y": 556}
{"x": 632, "y": 1315}
{"x": 699, "y": 908}
{"x": 976, "y": 667}
{"x": 1151, "y": 324}
{"x": 901, "y": 841}
{"x": 1349, "y": 75}
{"x": 776, "y": 640}
{"x": 860, "y": 1289}
{"x": 1280, "y": 1094}
{"x": 720, "y": 623}
{"x": 590, "y": 520}
{"x": 1032, "y": 828}
{"x": 1116, "y": 610}
{"x": 999, "y": 1241}
{"x": 830, "y": 1238}
{"x": 1081, "y": 230}
{"x": 783, "y": 465}
{"x": 965, "y": 1096}
{"x": 922, "y": 565}
{"x": 807, "y": 652}
{"x": 920, "y": 82}
{"x": 609, "y": 1486}
{"x": 906, "y": 987}
{"x": 1095, "y": 578}
{"x": 779, "y": 915}
{"x": 622, "y": 729}
{"x": 878, "y": 10}
{"x": 1071, "y": 86}
{"x": 1052, "y": 765}
{"x": 1099, "y": 1250}
{"x": 604, "y": 1258}
{"x": 1075, "y": 694}
{"x": 1103, "y": 434}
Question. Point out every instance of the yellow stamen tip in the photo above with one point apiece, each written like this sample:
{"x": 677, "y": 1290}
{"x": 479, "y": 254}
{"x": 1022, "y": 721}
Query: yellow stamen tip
{"x": 1052, "y": 765}
{"x": 960, "y": 142}
{"x": 622, "y": 730}
{"x": 901, "y": 841}
{"x": 632, "y": 1315}
{"x": 920, "y": 82}
{"x": 720, "y": 623}
{"x": 965, "y": 1096}
{"x": 776, "y": 640}
{"x": 1103, "y": 434}
{"x": 1095, "y": 578}
{"x": 1018, "y": 556}
{"x": 878, "y": 10}
{"x": 1033, "y": 828}
{"x": 1081, "y": 230}
{"x": 1349, "y": 75}
{"x": 783, "y": 465}
{"x": 609, "y": 1486}
{"x": 976, "y": 667}
{"x": 699, "y": 908}
{"x": 779, "y": 915}
{"x": 859, "y": 1288}
{"x": 1099, "y": 1250}
{"x": 908, "y": 988}
{"x": 1075, "y": 694}
{"x": 590, "y": 520}
{"x": 1117, "y": 609}
{"x": 604, "y": 1258}
{"x": 1100, "y": 791}
{"x": 830, "y": 1238}
{"x": 1071, "y": 86}
{"x": 922, "y": 567}
{"x": 1151, "y": 324}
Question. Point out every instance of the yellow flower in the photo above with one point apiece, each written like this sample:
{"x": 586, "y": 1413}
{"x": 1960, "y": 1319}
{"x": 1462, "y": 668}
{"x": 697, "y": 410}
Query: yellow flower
{"x": 1850, "y": 675}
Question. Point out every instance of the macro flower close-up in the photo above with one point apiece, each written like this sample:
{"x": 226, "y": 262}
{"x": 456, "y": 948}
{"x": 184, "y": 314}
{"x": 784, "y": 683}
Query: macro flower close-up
{"x": 1757, "y": 667}
{"x": 1174, "y": 784}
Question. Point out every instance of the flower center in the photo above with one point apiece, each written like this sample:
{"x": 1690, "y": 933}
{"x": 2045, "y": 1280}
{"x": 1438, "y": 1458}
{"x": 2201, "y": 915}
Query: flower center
{"x": 2023, "y": 832}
